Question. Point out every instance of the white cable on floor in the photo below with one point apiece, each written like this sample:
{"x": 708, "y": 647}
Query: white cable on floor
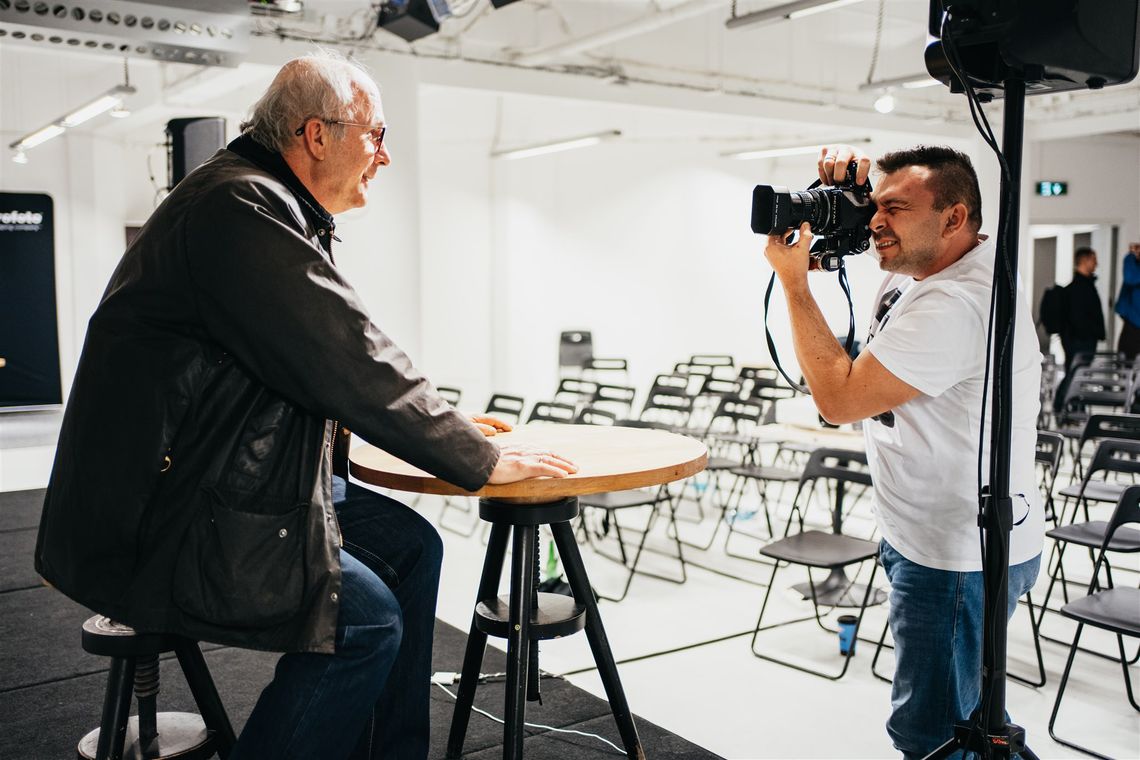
{"x": 535, "y": 725}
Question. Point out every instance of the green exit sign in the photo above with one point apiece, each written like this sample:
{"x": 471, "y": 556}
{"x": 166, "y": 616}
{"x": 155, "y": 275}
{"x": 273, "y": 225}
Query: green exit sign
{"x": 1049, "y": 188}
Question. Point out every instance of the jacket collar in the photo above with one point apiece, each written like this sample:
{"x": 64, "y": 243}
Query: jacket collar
{"x": 273, "y": 162}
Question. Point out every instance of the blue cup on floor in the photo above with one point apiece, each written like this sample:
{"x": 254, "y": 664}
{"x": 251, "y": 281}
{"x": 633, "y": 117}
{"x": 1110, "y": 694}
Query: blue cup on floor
{"x": 847, "y": 634}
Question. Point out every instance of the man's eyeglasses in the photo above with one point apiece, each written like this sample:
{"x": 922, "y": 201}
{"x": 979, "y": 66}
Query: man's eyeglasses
{"x": 376, "y": 134}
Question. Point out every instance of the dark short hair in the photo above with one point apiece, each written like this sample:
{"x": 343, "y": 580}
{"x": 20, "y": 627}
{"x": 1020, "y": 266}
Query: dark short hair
{"x": 953, "y": 178}
{"x": 1082, "y": 253}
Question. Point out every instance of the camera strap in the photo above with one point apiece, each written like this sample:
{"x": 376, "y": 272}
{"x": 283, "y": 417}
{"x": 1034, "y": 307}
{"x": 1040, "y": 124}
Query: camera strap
{"x": 846, "y": 287}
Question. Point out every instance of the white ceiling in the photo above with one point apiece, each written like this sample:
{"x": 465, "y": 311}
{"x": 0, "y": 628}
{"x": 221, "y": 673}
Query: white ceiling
{"x": 802, "y": 75}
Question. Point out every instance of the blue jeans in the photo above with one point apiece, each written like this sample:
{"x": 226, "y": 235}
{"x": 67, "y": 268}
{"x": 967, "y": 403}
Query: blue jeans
{"x": 369, "y": 700}
{"x": 936, "y": 621}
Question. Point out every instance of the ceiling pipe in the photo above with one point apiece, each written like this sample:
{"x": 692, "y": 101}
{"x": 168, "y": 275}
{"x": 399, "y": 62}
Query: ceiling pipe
{"x": 638, "y": 26}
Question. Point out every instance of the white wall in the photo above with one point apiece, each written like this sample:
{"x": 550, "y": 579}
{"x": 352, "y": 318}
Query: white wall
{"x": 643, "y": 240}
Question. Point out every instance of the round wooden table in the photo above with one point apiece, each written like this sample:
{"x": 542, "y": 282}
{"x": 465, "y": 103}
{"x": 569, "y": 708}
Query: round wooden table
{"x": 609, "y": 459}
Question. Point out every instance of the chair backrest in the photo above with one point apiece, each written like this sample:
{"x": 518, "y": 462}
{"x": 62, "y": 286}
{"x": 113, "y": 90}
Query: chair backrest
{"x": 551, "y": 411}
{"x": 836, "y": 464}
{"x": 667, "y": 406}
{"x": 770, "y": 389}
{"x": 1047, "y": 457}
{"x": 840, "y": 466}
{"x": 450, "y": 395}
{"x": 1114, "y": 455}
{"x": 1050, "y": 448}
{"x": 599, "y": 364}
{"x": 1127, "y": 511}
{"x": 667, "y": 381}
{"x": 505, "y": 405}
{"x": 592, "y": 415}
{"x": 716, "y": 387}
{"x": 1097, "y": 426}
{"x": 615, "y": 397}
{"x": 575, "y": 390}
{"x": 713, "y": 360}
{"x": 736, "y": 416}
{"x": 574, "y": 348}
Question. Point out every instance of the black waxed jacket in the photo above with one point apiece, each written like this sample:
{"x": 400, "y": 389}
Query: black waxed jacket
{"x": 191, "y": 488}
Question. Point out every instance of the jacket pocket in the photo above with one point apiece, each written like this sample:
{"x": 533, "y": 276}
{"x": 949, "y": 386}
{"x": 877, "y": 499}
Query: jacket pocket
{"x": 241, "y": 569}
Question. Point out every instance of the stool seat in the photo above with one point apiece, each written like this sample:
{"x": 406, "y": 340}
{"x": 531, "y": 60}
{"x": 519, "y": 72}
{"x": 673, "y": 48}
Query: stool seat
{"x": 555, "y": 616}
{"x": 103, "y": 636}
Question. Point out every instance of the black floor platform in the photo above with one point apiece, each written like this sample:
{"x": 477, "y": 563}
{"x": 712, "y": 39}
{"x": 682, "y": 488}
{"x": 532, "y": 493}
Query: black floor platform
{"x": 51, "y": 691}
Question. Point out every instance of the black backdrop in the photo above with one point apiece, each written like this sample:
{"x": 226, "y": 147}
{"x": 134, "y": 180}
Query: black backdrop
{"x": 29, "y": 339}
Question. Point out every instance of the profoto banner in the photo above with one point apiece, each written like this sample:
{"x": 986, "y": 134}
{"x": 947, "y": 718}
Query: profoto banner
{"x": 29, "y": 339}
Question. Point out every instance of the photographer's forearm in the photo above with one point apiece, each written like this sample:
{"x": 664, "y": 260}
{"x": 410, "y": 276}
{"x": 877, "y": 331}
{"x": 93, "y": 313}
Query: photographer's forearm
{"x": 825, "y": 365}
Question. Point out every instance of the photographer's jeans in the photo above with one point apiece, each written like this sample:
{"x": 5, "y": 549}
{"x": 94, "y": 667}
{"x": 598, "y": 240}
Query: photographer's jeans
{"x": 936, "y": 621}
{"x": 369, "y": 701}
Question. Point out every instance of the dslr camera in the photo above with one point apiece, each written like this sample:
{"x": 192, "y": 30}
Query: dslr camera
{"x": 839, "y": 216}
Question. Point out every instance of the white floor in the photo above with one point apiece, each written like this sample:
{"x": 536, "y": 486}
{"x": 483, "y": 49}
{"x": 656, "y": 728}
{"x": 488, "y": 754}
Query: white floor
{"x": 721, "y": 697}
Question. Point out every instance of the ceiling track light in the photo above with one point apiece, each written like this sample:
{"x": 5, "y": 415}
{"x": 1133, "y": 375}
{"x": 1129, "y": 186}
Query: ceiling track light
{"x": 791, "y": 150}
{"x": 910, "y": 82}
{"x": 556, "y": 146}
{"x": 787, "y": 11}
{"x": 110, "y": 102}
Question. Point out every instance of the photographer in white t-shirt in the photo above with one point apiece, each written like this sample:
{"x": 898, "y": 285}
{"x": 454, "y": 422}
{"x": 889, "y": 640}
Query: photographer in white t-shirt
{"x": 918, "y": 388}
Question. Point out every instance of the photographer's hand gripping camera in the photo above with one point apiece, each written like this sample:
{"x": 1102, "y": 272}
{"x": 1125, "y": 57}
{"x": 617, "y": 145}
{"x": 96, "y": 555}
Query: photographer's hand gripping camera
{"x": 840, "y": 216}
{"x": 840, "y": 221}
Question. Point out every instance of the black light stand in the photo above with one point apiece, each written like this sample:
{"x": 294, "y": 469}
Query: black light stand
{"x": 997, "y": 47}
{"x": 987, "y": 732}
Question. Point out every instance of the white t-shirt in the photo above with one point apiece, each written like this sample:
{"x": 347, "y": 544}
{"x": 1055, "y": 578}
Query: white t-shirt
{"x": 925, "y": 468}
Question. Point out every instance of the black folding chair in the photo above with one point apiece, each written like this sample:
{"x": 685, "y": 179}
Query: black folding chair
{"x": 831, "y": 551}
{"x": 1116, "y": 610}
{"x": 1047, "y": 458}
{"x": 450, "y": 395}
{"x": 575, "y": 391}
{"x": 616, "y": 501}
{"x": 592, "y": 415}
{"x": 1111, "y": 456}
{"x": 552, "y": 411}
{"x": 507, "y": 407}
{"x": 503, "y": 405}
{"x": 616, "y": 398}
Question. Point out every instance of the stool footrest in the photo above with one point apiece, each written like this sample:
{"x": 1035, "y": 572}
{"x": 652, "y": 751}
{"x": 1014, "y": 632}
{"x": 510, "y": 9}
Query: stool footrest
{"x": 556, "y": 615}
{"x": 181, "y": 735}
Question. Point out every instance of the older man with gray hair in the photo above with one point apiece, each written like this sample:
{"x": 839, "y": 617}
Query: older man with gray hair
{"x": 194, "y": 488}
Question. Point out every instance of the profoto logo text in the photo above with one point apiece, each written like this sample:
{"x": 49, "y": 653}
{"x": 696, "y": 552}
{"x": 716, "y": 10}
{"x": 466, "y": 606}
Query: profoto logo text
{"x": 20, "y": 221}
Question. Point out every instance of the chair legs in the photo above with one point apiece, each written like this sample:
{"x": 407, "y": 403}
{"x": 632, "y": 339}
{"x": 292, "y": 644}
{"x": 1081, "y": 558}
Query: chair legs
{"x": 815, "y": 615}
{"x": 1065, "y": 680}
{"x": 631, "y": 565}
{"x": 1035, "y": 624}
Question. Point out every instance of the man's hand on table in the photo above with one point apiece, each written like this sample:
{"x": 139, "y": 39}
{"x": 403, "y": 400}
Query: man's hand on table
{"x": 520, "y": 462}
{"x": 489, "y": 426}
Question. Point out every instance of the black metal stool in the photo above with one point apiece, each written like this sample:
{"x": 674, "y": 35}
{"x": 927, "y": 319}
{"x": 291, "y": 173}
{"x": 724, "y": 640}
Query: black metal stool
{"x": 134, "y": 669}
{"x": 527, "y": 616}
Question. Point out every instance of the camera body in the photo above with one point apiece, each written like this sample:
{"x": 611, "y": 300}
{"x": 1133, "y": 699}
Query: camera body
{"x": 839, "y": 216}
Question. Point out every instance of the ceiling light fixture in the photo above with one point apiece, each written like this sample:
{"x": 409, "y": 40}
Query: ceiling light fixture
{"x": 110, "y": 101}
{"x": 556, "y": 146}
{"x": 797, "y": 9}
{"x": 793, "y": 150}
{"x": 885, "y": 103}
{"x": 911, "y": 82}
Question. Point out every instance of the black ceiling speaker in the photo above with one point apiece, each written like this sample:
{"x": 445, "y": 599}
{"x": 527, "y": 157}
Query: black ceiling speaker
{"x": 501, "y": 3}
{"x": 413, "y": 19}
{"x": 1054, "y": 44}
